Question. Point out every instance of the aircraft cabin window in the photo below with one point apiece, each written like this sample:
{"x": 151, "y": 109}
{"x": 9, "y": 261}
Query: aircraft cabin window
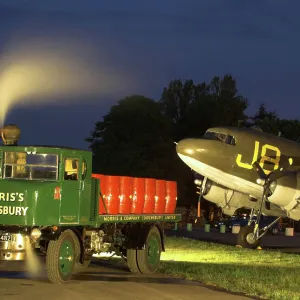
{"x": 226, "y": 138}
{"x": 230, "y": 140}
{"x": 211, "y": 135}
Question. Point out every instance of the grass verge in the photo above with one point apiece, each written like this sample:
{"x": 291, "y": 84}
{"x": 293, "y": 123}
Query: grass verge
{"x": 263, "y": 274}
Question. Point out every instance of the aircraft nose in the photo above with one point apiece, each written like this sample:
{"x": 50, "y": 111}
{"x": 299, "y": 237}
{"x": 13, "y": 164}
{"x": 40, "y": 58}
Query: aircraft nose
{"x": 186, "y": 146}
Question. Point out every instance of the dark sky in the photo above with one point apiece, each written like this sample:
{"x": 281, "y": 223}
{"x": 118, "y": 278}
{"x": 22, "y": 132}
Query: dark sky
{"x": 153, "y": 42}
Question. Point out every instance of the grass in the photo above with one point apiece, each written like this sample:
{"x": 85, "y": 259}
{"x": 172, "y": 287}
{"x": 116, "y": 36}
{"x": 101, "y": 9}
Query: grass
{"x": 263, "y": 274}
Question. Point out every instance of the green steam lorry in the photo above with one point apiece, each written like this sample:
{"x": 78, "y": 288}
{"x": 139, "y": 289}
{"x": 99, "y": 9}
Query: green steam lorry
{"x": 52, "y": 202}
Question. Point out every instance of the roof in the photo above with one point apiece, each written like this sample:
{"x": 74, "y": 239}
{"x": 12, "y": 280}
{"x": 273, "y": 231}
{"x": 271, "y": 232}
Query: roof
{"x": 47, "y": 146}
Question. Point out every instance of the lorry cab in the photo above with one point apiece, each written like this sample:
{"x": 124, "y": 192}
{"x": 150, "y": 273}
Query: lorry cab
{"x": 44, "y": 185}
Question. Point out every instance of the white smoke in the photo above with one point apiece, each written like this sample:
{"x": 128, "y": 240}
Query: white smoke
{"x": 47, "y": 70}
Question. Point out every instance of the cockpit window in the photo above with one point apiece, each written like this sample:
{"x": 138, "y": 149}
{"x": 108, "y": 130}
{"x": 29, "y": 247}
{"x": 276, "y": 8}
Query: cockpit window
{"x": 226, "y": 138}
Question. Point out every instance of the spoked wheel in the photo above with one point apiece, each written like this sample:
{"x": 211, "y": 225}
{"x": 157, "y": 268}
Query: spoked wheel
{"x": 60, "y": 258}
{"x": 246, "y": 238}
{"x": 148, "y": 259}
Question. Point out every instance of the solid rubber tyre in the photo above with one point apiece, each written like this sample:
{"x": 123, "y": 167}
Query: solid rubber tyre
{"x": 242, "y": 238}
{"x": 87, "y": 260}
{"x": 131, "y": 255}
{"x": 148, "y": 259}
{"x": 60, "y": 258}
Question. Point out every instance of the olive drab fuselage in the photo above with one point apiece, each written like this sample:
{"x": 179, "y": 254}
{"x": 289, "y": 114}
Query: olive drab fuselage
{"x": 246, "y": 146}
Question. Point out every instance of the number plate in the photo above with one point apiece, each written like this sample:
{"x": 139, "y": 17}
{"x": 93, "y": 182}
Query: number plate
{"x": 5, "y": 238}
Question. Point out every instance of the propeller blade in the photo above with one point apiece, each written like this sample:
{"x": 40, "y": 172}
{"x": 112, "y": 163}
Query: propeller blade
{"x": 259, "y": 170}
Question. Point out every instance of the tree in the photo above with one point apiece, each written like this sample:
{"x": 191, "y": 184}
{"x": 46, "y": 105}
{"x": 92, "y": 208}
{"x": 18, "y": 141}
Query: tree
{"x": 194, "y": 108}
{"x": 229, "y": 105}
{"x": 290, "y": 129}
{"x": 267, "y": 120}
{"x": 133, "y": 139}
{"x": 136, "y": 137}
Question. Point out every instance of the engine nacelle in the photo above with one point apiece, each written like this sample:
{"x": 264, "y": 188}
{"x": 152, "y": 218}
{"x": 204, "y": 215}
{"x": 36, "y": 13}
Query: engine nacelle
{"x": 230, "y": 201}
{"x": 285, "y": 192}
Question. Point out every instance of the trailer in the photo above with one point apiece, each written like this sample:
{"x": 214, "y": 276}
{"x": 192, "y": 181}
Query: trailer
{"x": 51, "y": 202}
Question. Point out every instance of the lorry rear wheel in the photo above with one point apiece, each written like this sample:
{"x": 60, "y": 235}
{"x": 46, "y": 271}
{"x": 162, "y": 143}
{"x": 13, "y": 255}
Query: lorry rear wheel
{"x": 148, "y": 259}
{"x": 131, "y": 255}
{"x": 60, "y": 258}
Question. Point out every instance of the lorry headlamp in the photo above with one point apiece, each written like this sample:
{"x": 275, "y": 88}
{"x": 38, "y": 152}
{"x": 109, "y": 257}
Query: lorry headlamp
{"x": 35, "y": 233}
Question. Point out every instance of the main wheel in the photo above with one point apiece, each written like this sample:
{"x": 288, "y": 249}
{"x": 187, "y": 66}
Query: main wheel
{"x": 131, "y": 255}
{"x": 60, "y": 258}
{"x": 246, "y": 238}
{"x": 148, "y": 259}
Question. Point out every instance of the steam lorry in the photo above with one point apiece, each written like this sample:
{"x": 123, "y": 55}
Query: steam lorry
{"x": 52, "y": 202}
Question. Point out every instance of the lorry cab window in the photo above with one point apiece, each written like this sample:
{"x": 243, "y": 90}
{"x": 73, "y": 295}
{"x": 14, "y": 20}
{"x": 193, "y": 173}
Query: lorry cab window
{"x": 29, "y": 166}
{"x": 71, "y": 169}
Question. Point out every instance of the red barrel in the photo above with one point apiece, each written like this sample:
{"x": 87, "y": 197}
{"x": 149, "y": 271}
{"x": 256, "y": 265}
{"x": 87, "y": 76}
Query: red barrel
{"x": 138, "y": 189}
{"x": 125, "y": 195}
{"x": 111, "y": 193}
{"x": 171, "y": 199}
{"x": 160, "y": 196}
{"x": 149, "y": 196}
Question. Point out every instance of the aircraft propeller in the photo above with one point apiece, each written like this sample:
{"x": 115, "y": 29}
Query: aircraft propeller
{"x": 265, "y": 180}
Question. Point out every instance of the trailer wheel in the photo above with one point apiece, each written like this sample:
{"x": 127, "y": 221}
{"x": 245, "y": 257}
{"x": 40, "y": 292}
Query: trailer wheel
{"x": 60, "y": 258}
{"x": 131, "y": 255}
{"x": 148, "y": 259}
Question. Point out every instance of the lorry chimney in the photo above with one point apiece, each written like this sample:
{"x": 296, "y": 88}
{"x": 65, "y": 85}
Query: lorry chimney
{"x": 10, "y": 134}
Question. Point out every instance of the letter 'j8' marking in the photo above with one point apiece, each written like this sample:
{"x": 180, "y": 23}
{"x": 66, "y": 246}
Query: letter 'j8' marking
{"x": 264, "y": 158}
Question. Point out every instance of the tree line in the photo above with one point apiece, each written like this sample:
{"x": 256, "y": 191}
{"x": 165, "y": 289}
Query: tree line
{"x": 137, "y": 136}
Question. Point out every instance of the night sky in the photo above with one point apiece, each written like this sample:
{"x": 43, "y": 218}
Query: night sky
{"x": 153, "y": 42}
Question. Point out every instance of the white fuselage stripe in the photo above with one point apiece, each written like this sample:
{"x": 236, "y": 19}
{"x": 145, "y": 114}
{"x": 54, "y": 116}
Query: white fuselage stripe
{"x": 230, "y": 181}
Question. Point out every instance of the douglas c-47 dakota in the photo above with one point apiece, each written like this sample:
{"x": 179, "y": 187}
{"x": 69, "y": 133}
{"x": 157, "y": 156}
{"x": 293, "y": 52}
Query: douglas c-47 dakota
{"x": 246, "y": 168}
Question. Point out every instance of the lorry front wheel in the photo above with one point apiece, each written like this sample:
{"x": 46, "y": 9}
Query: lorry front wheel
{"x": 60, "y": 258}
{"x": 148, "y": 259}
{"x": 87, "y": 257}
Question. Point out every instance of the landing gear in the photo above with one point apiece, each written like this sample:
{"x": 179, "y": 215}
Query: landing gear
{"x": 247, "y": 239}
{"x": 250, "y": 235}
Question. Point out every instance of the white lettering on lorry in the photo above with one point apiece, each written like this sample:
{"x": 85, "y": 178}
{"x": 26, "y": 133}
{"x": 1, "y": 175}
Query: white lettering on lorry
{"x": 13, "y": 210}
{"x": 12, "y": 197}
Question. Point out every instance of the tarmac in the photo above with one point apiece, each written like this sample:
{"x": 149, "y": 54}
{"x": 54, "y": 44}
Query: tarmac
{"x": 104, "y": 280}
{"x": 112, "y": 280}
